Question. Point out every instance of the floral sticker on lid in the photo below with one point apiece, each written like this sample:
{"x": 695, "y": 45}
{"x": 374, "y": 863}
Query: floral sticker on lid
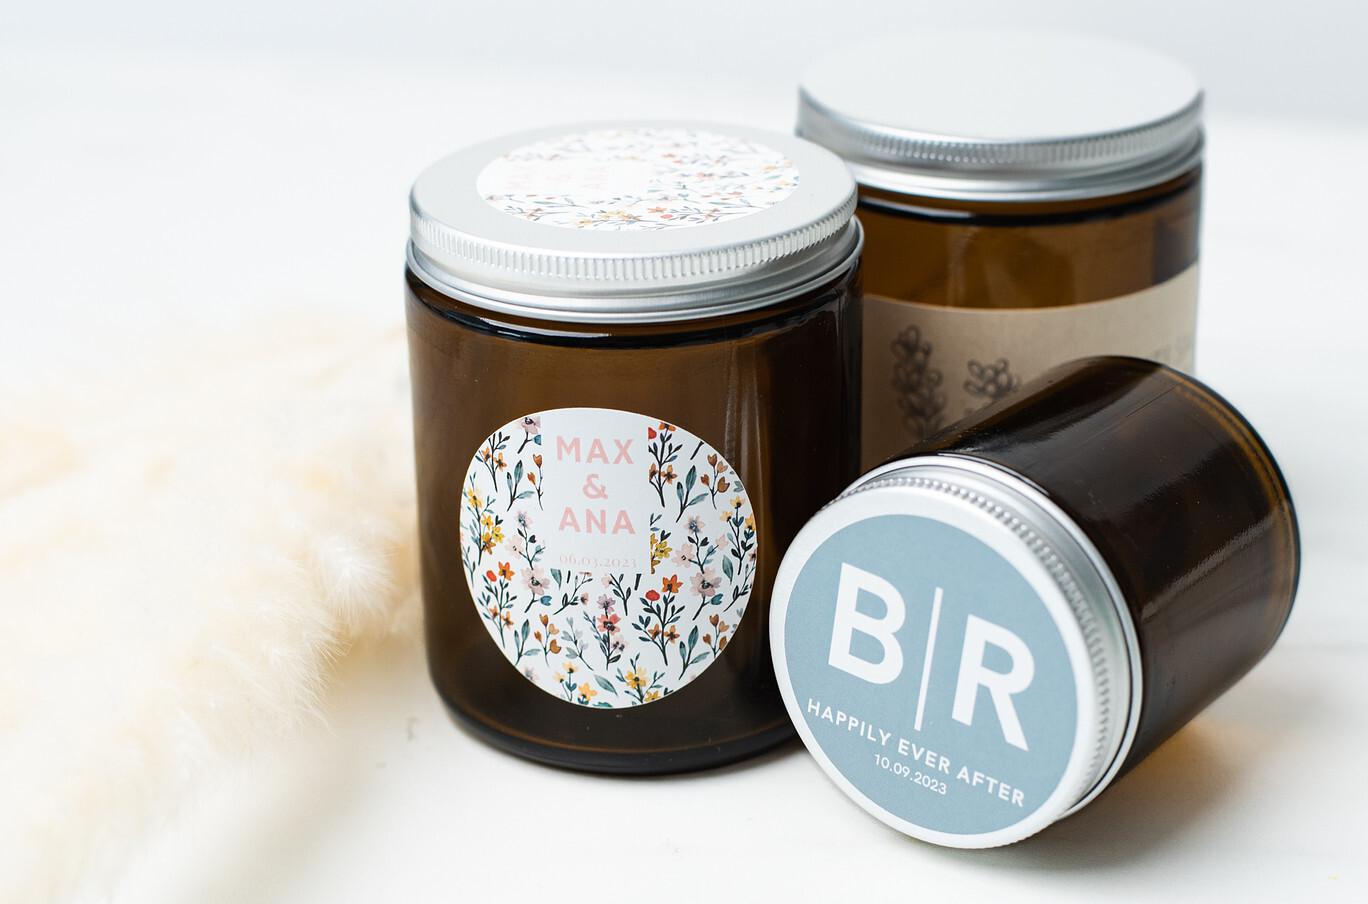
{"x": 638, "y": 179}
{"x": 610, "y": 555}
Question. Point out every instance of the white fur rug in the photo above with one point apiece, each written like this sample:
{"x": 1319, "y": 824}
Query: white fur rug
{"x": 187, "y": 550}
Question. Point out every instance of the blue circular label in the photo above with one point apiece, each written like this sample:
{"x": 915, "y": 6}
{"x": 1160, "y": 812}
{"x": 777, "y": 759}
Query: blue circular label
{"x": 931, "y": 676}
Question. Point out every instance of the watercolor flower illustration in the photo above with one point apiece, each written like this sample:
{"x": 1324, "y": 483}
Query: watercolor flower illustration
{"x": 602, "y": 636}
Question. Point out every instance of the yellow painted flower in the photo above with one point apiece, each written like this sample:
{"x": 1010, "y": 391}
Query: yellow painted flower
{"x": 587, "y": 692}
{"x": 635, "y": 680}
{"x": 652, "y": 695}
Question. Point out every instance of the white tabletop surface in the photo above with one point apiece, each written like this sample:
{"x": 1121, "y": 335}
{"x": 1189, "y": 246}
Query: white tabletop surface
{"x": 142, "y": 197}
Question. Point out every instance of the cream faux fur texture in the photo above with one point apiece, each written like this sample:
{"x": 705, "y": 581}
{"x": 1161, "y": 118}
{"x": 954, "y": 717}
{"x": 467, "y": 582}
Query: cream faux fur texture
{"x": 188, "y": 549}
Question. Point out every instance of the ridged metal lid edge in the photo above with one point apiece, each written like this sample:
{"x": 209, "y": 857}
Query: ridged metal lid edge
{"x": 885, "y": 120}
{"x": 1072, "y": 562}
{"x": 574, "y": 273}
{"x": 1023, "y": 526}
{"x": 465, "y": 238}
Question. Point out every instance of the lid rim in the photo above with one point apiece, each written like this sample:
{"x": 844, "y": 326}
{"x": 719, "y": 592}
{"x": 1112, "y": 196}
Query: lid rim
{"x": 461, "y": 238}
{"x": 1000, "y": 509}
{"x": 1017, "y": 186}
{"x": 502, "y": 261}
{"x": 1079, "y": 562}
{"x": 1086, "y": 152}
{"x": 761, "y": 289}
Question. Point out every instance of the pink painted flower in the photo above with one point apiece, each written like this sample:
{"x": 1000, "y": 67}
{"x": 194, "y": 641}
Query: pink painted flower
{"x": 705, "y": 584}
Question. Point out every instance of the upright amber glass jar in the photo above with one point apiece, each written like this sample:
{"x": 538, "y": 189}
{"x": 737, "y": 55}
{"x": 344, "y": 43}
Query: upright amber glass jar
{"x": 632, "y": 352}
{"x": 982, "y": 635}
{"x": 1028, "y": 198}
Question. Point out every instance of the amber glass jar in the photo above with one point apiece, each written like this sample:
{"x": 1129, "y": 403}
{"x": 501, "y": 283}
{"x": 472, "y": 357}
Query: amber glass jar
{"x": 1020, "y": 609}
{"x": 1041, "y": 205}
{"x": 632, "y": 351}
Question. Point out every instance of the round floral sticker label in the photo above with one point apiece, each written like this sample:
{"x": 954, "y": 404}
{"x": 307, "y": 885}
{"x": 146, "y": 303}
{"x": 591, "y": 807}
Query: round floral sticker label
{"x": 610, "y": 555}
{"x": 637, "y": 179}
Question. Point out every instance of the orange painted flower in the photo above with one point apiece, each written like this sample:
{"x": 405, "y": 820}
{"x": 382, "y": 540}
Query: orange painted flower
{"x": 506, "y": 571}
{"x": 671, "y": 584}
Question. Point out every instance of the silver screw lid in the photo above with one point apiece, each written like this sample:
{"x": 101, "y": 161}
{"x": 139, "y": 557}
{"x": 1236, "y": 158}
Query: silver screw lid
{"x": 1004, "y": 115}
{"x": 960, "y": 525}
{"x": 632, "y": 221}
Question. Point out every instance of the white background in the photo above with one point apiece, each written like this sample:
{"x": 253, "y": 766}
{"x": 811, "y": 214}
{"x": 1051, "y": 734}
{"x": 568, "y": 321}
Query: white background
{"x": 1265, "y": 57}
{"x": 166, "y": 168}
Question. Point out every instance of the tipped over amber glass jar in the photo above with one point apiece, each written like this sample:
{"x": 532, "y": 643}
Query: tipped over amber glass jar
{"x": 984, "y": 634}
{"x": 1028, "y": 198}
{"x": 632, "y": 351}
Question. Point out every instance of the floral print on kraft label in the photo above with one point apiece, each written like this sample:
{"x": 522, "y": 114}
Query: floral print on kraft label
{"x": 610, "y": 555}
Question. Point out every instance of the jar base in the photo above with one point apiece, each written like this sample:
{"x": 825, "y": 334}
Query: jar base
{"x": 628, "y": 762}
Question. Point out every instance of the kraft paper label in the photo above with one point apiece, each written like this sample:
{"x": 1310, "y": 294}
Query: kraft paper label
{"x": 926, "y": 367}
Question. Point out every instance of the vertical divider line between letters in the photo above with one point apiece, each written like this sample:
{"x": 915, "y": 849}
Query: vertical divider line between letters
{"x": 926, "y": 664}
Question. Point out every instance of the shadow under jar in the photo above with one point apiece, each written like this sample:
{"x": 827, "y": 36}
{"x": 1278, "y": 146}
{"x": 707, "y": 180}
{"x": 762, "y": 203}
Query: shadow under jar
{"x": 1041, "y": 206}
{"x": 634, "y": 374}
